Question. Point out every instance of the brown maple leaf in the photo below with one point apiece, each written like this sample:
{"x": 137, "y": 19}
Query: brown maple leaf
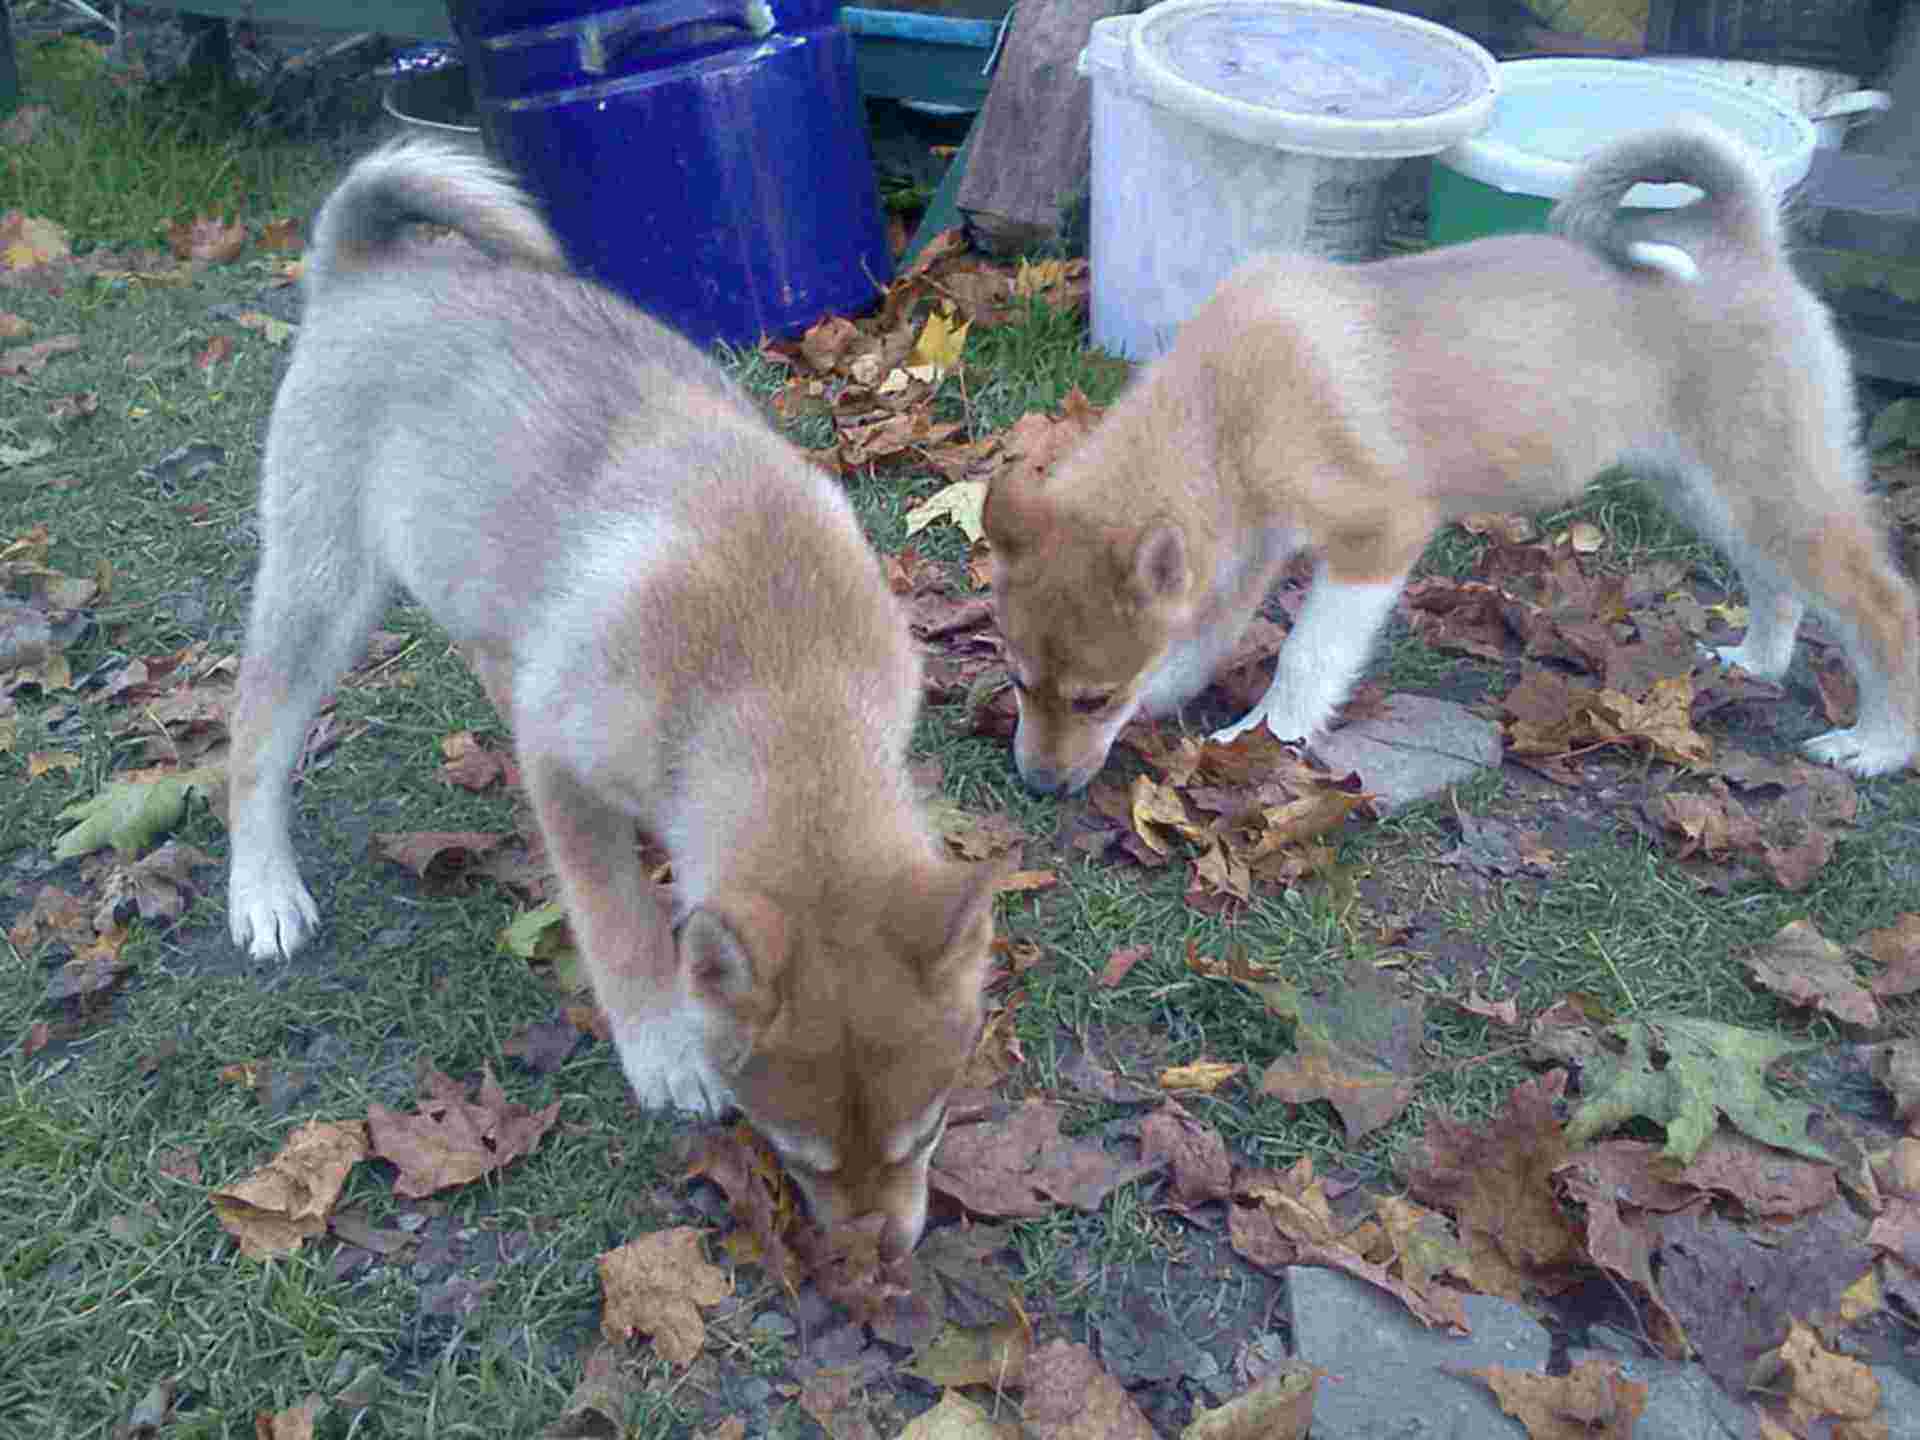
{"x": 656, "y": 1286}
{"x": 452, "y": 1139}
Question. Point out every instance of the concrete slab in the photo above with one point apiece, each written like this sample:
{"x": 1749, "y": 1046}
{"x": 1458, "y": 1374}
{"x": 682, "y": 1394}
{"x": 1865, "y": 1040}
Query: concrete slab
{"x": 1343, "y": 1323}
{"x": 1415, "y": 747}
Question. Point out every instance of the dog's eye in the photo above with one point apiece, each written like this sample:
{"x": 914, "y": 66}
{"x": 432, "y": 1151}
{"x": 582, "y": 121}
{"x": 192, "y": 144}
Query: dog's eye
{"x": 1091, "y": 704}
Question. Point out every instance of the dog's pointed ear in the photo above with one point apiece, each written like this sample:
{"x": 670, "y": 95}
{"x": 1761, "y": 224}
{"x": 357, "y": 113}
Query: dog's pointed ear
{"x": 1002, "y": 518}
{"x": 962, "y": 899}
{"x": 1159, "y": 564}
{"x": 732, "y": 956}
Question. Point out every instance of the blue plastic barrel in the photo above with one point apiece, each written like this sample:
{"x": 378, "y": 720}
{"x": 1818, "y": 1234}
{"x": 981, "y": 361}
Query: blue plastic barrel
{"x": 706, "y": 158}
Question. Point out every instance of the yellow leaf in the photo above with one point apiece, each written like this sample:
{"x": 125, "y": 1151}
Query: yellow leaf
{"x": 40, "y": 762}
{"x": 941, "y": 340}
{"x": 1207, "y": 1075}
{"x": 961, "y": 502}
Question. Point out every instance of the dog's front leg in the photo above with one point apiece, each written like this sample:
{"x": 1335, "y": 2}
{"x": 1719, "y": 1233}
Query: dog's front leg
{"x": 624, "y": 928}
{"x": 1322, "y": 657}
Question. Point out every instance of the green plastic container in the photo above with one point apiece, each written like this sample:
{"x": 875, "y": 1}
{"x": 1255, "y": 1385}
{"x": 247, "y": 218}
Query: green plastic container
{"x": 1461, "y": 208}
{"x": 1553, "y": 113}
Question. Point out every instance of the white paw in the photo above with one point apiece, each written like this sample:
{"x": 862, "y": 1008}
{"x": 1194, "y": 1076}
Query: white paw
{"x": 1758, "y": 666}
{"x": 667, "y": 1066}
{"x": 1861, "y": 753}
{"x": 1283, "y": 727}
{"x": 269, "y": 912}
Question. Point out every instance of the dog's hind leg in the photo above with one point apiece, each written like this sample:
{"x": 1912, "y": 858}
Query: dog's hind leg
{"x": 1848, "y": 576}
{"x": 310, "y": 619}
{"x": 1816, "y": 544}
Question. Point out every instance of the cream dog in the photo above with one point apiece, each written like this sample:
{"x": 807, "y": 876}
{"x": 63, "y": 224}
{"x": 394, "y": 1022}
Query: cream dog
{"x": 687, "y": 630}
{"x": 1352, "y": 410}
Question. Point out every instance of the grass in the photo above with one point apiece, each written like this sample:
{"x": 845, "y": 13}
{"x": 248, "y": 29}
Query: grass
{"x": 114, "y": 1275}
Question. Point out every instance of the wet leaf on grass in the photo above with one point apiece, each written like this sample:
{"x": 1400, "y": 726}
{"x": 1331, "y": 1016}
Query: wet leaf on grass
{"x": 452, "y": 1139}
{"x": 960, "y": 502}
{"x": 1594, "y": 1401}
{"x": 1705, "y": 1070}
{"x": 1279, "y": 1407}
{"x": 1818, "y": 1385}
{"x": 286, "y": 1202}
{"x": 441, "y": 858}
{"x": 1356, "y": 1048}
{"x": 611, "y": 1377}
{"x": 1194, "y": 1153}
{"x": 1736, "y": 1290}
{"x": 1803, "y": 967}
{"x": 295, "y": 1423}
{"x": 1069, "y": 1396}
{"x": 545, "y": 1045}
{"x": 1762, "y": 1180}
{"x": 764, "y": 1206}
{"x": 656, "y": 1286}
{"x": 958, "y": 1418}
{"x": 1279, "y": 1218}
{"x": 129, "y": 815}
{"x": 1206, "y": 1076}
{"x": 473, "y": 766}
{"x": 156, "y": 888}
{"x": 1122, "y": 961}
{"x": 1620, "y": 1196}
{"x": 1897, "y": 1067}
{"x": 993, "y": 1355}
{"x": 1022, "y": 1166}
{"x": 1897, "y": 949}
{"x": 207, "y": 238}
{"x": 1496, "y": 1181}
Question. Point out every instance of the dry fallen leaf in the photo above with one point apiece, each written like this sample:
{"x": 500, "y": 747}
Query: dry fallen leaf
{"x": 958, "y": 1418}
{"x": 1280, "y": 1407}
{"x": 655, "y": 1286}
{"x": 1023, "y": 1166}
{"x": 1595, "y": 1401}
{"x": 451, "y": 1139}
{"x": 207, "y": 238}
{"x": 292, "y": 1424}
{"x": 960, "y": 502}
{"x": 1204, "y": 1075}
{"x": 1805, "y": 968}
{"x": 1819, "y": 1384}
{"x": 287, "y": 1201}
{"x": 281, "y": 235}
{"x": 28, "y": 241}
{"x": 1071, "y": 1397}
{"x": 22, "y": 361}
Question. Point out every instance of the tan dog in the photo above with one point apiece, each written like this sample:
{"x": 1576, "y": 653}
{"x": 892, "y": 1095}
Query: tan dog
{"x": 689, "y": 634}
{"x": 1354, "y": 410}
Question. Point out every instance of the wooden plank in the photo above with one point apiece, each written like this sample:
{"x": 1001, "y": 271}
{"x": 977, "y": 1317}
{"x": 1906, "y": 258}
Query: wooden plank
{"x": 1031, "y": 147}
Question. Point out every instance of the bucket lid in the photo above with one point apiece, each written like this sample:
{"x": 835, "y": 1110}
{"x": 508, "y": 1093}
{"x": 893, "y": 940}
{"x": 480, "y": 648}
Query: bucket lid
{"x": 1318, "y": 77}
{"x": 1553, "y": 113}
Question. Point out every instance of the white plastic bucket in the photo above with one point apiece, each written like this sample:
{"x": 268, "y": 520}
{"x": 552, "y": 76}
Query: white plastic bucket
{"x": 1553, "y": 113}
{"x": 1225, "y": 128}
{"x": 1835, "y": 102}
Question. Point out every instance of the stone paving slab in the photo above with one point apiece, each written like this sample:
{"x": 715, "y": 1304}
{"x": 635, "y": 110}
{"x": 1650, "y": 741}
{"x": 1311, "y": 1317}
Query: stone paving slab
{"x": 1414, "y": 747}
{"x": 1387, "y": 1374}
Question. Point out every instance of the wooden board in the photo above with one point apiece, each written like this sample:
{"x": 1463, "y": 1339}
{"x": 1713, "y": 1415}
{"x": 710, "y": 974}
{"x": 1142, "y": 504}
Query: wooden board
{"x": 1030, "y": 152}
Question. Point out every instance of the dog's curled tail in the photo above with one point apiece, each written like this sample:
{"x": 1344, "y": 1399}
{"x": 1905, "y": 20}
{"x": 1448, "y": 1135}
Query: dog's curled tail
{"x": 1741, "y": 206}
{"x": 413, "y": 182}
